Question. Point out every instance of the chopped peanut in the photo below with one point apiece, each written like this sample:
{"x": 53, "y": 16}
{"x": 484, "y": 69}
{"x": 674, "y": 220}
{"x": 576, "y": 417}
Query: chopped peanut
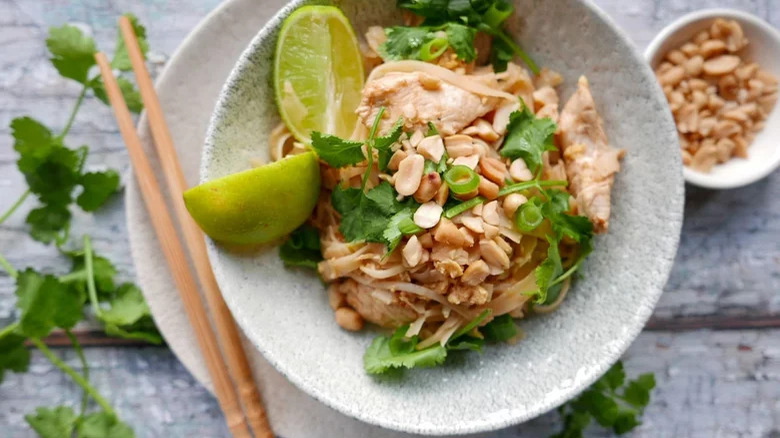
{"x": 719, "y": 100}
{"x": 349, "y": 319}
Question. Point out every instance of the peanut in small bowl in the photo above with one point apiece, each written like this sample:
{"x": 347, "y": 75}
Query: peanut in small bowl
{"x": 732, "y": 138}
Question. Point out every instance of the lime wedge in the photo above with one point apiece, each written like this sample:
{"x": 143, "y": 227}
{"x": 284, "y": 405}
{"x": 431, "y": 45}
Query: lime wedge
{"x": 257, "y": 205}
{"x": 318, "y": 73}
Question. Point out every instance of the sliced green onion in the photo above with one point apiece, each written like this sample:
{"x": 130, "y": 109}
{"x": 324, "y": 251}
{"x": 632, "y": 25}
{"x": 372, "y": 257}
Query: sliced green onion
{"x": 407, "y": 226}
{"x": 519, "y": 187}
{"x": 433, "y": 49}
{"x": 461, "y": 179}
{"x": 497, "y": 14}
{"x": 529, "y": 216}
{"x": 462, "y": 207}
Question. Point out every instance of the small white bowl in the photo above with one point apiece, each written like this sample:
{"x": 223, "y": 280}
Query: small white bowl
{"x": 764, "y": 48}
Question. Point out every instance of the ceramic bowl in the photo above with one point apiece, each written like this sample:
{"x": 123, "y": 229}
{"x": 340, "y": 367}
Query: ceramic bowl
{"x": 764, "y": 48}
{"x": 285, "y": 312}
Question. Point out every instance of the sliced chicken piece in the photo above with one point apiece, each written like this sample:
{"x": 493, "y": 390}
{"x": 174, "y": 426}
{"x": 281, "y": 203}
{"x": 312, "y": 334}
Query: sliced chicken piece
{"x": 591, "y": 163}
{"x": 421, "y": 98}
{"x": 372, "y": 308}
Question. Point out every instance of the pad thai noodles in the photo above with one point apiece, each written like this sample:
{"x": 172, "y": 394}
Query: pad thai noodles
{"x": 466, "y": 198}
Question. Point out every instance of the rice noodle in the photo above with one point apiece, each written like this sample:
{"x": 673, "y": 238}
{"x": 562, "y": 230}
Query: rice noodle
{"x": 423, "y": 292}
{"x": 382, "y": 273}
{"x": 414, "y": 328}
{"x": 462, "y": 81}
{"x": 513, "y": 298}
{"x": 280, "y": 140}
{"x": 443, "y": 334}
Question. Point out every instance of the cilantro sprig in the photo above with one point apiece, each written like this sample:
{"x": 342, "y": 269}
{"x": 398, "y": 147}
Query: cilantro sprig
{"x": 461, "y": 20}
{"x": 373, "y": 215}
{"x": 55, "y": 173}
{"x": 53, "y": 170}
{"x": 612, "y": 402}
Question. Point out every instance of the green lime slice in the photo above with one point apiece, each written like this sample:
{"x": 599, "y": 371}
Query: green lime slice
{"x": 318, "y": 73}
{"x": 257, "y": 205}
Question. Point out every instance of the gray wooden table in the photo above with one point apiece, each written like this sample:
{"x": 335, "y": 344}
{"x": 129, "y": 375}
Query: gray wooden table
{"x": 713, "y": 343}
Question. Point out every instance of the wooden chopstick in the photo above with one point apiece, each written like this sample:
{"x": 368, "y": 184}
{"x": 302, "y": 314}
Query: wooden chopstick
{"x": 174, "y": 255}
{"x": 229, "y": 337}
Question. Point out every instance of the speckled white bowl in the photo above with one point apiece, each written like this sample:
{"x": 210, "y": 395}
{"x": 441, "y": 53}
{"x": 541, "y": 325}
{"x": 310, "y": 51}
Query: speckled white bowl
{"x": 285, "y": 313}
{"x": 764, "y": 48}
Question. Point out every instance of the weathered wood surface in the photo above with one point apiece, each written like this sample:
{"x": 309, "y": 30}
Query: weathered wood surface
{"x": 711, "y": 383}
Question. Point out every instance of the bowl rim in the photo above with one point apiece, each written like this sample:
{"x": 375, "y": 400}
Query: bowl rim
{"x": 681, "y": 24}
{"x": 632, "y": 328}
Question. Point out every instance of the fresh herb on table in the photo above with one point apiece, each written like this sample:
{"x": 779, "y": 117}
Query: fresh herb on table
{"x": 454, "y": 24}
{"x": 55, "y": 175}
{"x": 611, "y": 401}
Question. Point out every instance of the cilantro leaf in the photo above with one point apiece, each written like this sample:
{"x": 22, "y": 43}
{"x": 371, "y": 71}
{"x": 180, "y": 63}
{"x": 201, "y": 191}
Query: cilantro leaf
{"x": 528, "y": 138}
{"x": 625, "y": 421}
{"x": 383, "y": 198}
{"x": 383, "y": 144}
{"x": 46, "y": 303}
{"x": 579, "y": 228}
{"x": 637, "y": 392}
{"x": 336, "y": 151}
{"x": 98, "y": 187}
{"x": 461, "y": 40}
{"x": 48, "y": 223}
{"x": 386, "y": 353}
{"x": 102, "y": 269}
{"x": 72, "y": 52}
{"x": 50, "y": 169}
{"x": 407, "y": 42}
{"x": 121, "y": 60}
{"x": 574, "y": 424}
{"x": 126, "y": 307}
{"x": 369, "y": 217}
{"x": 547, "y": 272}
{"x": 345, "y": 200}
{"x": 603, "y": 408}
{"x": 32, "y": 140}
{"x": 404, "y": 42}
{"x": 128, "y": 315}
{"x": 129, "y": 92}
{"x": 392, "y": 234}
{"x": 13, "y": 354}
{"x": 302, "y": 248}
{"x": 500, "y": 55}
{"x": 466, "y": 343}
{"x": 425, "y": 8}
{"x": 143, "y": 330}
{"x": 604, "y": 403}
{"x": 56, "y": 422}
{"x": 502, "y": 328}
{"x": 613, "y": 378}
{"x": 103, "y": 425}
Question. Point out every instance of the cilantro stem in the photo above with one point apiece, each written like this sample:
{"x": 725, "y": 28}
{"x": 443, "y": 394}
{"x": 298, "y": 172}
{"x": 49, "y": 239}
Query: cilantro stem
{"x": 519, "y": 187}
{"x": 93, "y": 299}
{"x": 8, "y": 268}
{"x": 370, "y": 146}
{"x": 15, "y": 206}
{"x": 73, "y": 113}
{"x": 8, "y": 329}
{"x": 84, "y": 368}
{"x": 73, "y": 375}
{"x": 568, "y": 273}
{"x": 518, "y": 51}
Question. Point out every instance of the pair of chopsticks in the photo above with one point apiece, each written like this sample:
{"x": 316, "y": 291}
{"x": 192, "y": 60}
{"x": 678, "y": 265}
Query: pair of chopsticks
{"x": 231, "y": 365}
